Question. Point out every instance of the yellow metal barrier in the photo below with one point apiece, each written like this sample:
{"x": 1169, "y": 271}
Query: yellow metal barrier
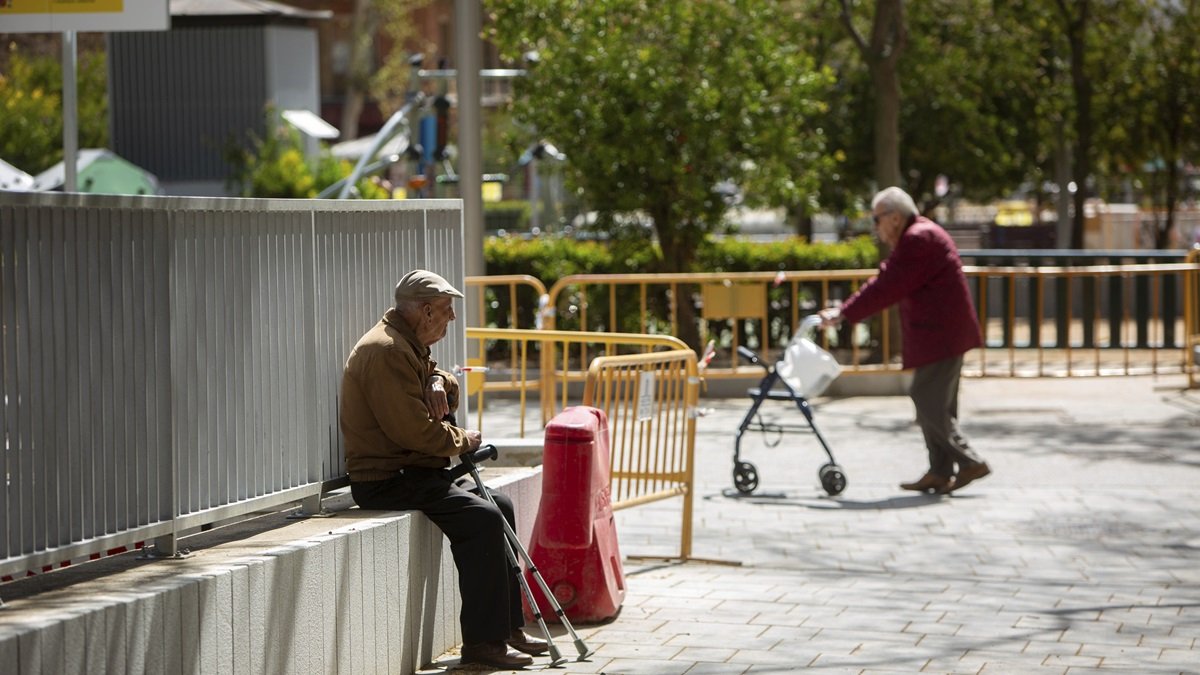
{"x": 650, "y": 400}
{"x": 1093, "y": 331}
{"x": 1111, "y": 343}
{"x": 729, "y": 297}
{"x": 512, "y": 291}
{"x": 549, "y": 362}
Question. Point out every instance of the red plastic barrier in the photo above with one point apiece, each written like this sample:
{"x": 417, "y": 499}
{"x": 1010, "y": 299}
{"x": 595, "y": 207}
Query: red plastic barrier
{"x": 574, "y": 542}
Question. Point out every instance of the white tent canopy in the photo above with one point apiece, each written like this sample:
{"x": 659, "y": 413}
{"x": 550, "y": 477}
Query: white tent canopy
{"x": 354, "y": 149}
{"x": 12, "y": 178}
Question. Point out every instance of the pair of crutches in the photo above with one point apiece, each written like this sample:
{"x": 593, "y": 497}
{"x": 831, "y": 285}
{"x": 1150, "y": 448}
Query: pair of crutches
{"x": 512, "y": 546}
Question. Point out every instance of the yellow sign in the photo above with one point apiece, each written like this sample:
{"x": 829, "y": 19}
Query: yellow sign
{"x": 85, "y": 16}
{"x": 60, "y": 6}
{"x": 492, "y": 192}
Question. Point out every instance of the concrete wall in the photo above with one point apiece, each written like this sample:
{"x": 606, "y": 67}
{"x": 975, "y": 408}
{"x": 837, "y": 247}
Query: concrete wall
{"x": 359, "y": 592}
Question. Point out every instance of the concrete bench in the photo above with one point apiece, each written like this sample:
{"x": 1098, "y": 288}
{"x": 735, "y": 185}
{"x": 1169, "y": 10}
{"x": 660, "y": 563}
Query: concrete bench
{"x": 356, "y": 592}
{"x": 518, "y": 451}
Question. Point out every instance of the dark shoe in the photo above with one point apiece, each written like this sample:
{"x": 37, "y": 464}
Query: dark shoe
{"x": 930, "y": 481}
{"x": 493, "y": 654}
{"x": 970, "y": 474}
{"x": 523, "y": 643}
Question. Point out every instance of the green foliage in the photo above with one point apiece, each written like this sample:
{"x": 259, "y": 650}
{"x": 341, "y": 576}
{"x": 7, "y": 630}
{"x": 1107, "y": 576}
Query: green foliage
{"x": 511, "y": 215}
{"x": 1154, "y": 110}
{"x": 388, "y": 80}
{"x": 656, "y": 103}
{"x": 552, "y": 258}
{"x": 275, "y": 166}
{"x": 740, "y": 255}
{"x": 31, "y": 91}
{"x": 548, "y": 258}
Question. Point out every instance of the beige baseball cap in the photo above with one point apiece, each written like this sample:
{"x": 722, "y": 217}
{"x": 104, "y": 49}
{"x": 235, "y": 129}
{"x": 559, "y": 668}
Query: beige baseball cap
{"x": 422, "y": 284}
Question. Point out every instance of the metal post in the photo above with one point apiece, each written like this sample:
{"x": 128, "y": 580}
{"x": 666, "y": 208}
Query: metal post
{"x": 468, "y": 54}
{"x": 70, "y": 113}
{"x": 535, "y": 195}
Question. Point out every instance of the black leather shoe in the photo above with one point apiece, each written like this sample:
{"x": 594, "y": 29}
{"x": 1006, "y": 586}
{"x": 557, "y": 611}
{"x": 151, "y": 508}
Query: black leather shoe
{"x": 494, "y": 655}
{"x": 523, "y": 643}
{"x": 930, "y": 482}
{"x": 970, "y": 474}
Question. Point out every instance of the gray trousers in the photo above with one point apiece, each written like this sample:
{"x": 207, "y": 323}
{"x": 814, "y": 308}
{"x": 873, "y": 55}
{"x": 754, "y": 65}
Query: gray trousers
{"x": 934, "y": 392}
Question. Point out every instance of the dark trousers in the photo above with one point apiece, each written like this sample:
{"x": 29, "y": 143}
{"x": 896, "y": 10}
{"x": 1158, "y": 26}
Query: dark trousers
{"x": 934, "y": 392}
{"x": 487, "y": 581}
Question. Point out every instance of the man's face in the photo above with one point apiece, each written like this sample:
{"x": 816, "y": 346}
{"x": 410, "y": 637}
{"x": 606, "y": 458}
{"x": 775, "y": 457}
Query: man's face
{"x": 889, "y": 224}
{"x": 436, "y": 316}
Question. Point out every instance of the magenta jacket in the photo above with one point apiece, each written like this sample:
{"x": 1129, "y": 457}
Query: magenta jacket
{"x": 923, "y": 274}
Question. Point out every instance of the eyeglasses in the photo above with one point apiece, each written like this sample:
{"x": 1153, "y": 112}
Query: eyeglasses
{"x": 876, "y": 217}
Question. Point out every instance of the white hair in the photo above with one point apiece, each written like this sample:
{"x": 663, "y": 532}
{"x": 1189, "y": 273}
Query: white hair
{"x": 895, "y": 200}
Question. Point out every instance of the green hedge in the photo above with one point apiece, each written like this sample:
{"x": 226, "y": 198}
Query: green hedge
{"x": 511, "y": 215}
{"x": 740, "y": 255}
{"x": 551, "y": 258}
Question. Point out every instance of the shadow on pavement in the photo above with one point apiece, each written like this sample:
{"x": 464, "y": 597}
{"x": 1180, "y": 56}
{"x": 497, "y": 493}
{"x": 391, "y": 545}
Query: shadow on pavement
{"x": 824, "y": 503}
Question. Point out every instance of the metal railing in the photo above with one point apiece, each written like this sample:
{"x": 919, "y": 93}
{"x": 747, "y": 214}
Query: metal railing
{"x": 1073, "y": 321}
{"x": 171, "y": 362}
{"x": 510, "y": 300}
{"x": 547, "y": 362}
{"x": 1191, "y": 321}
{"x": 650, "y": 401}
{"x": 1036, "y": 321}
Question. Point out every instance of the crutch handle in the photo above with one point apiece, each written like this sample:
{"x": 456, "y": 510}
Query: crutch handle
{"x": 484, "y": 453}
{"x": 468, "y": 460}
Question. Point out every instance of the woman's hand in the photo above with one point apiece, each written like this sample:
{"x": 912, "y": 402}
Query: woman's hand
{"x": 830, "y": 317}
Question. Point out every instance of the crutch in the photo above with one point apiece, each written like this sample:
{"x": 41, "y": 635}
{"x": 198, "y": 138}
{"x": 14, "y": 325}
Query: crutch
{"x": 514, "y": 544}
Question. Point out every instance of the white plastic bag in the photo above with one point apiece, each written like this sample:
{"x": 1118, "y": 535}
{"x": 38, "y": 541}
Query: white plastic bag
{"x": 806, "y": 367}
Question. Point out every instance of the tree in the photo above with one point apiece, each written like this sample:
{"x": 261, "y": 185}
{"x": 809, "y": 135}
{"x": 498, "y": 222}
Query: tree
{"x": 972, "y": 115}
{"x": 1158, "y": 101}
{"x": 881, "y": 52}
{"x": 363, "y": 24}
{"x": 31, "y": 91}
{"x": 379, "y": 22}
{"x": 658, "y": 104}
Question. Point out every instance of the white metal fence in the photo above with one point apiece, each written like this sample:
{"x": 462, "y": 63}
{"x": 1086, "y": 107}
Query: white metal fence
{"x": 171, "y": 362}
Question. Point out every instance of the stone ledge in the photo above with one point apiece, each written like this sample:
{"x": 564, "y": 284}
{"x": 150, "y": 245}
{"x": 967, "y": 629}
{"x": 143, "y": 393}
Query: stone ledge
{"x": 359, "y": 591}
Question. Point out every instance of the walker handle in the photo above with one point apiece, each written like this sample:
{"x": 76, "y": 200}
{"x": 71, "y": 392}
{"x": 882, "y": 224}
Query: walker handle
{"x": 746, "y": 353}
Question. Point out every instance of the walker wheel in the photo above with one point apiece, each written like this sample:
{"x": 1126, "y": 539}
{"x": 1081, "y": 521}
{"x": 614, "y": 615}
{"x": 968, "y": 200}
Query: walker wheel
{"x": 745, "y": 477}
{"x": 832, "y": 479}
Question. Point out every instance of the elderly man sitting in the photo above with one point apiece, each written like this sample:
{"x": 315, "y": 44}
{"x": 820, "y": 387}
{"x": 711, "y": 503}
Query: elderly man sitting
{"x": 395, "y": 404}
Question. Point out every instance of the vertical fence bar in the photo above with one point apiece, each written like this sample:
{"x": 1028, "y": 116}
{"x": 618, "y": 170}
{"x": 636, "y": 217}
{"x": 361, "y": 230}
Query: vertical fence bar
{"x": 193, "y": 385}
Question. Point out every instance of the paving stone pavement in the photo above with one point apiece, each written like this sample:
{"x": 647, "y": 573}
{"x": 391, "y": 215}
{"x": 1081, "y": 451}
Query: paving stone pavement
{"x": 1080, "y": 553}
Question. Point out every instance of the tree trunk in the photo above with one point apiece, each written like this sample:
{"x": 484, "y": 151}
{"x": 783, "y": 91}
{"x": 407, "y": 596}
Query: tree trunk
{"x": 362, "y": 42}
{"x": 889, "y": 35}
{"x": 678, "y": 256}
{"x": 1081, "y": 86}
{"x": 803, "y": 222}
{"x": 1062, "y": 176}
{"x": 887, "y": 122}
{"x": 1162, "y": 237}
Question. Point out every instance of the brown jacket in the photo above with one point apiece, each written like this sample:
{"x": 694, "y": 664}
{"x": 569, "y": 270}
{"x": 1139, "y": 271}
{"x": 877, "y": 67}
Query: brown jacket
{"x": 384, "y": 419}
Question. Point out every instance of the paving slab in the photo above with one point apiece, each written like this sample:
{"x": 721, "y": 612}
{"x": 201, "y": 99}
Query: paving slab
{"x": 1080, "y": 553}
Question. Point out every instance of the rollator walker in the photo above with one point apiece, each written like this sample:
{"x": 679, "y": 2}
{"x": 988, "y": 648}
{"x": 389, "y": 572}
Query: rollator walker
{"x": 805, "y": 371}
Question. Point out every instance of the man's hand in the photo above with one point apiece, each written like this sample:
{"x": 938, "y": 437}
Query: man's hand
{"x": 830, "y": 317}
{"x": 474, "y": 437}
{"x": 435, "y": 397}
